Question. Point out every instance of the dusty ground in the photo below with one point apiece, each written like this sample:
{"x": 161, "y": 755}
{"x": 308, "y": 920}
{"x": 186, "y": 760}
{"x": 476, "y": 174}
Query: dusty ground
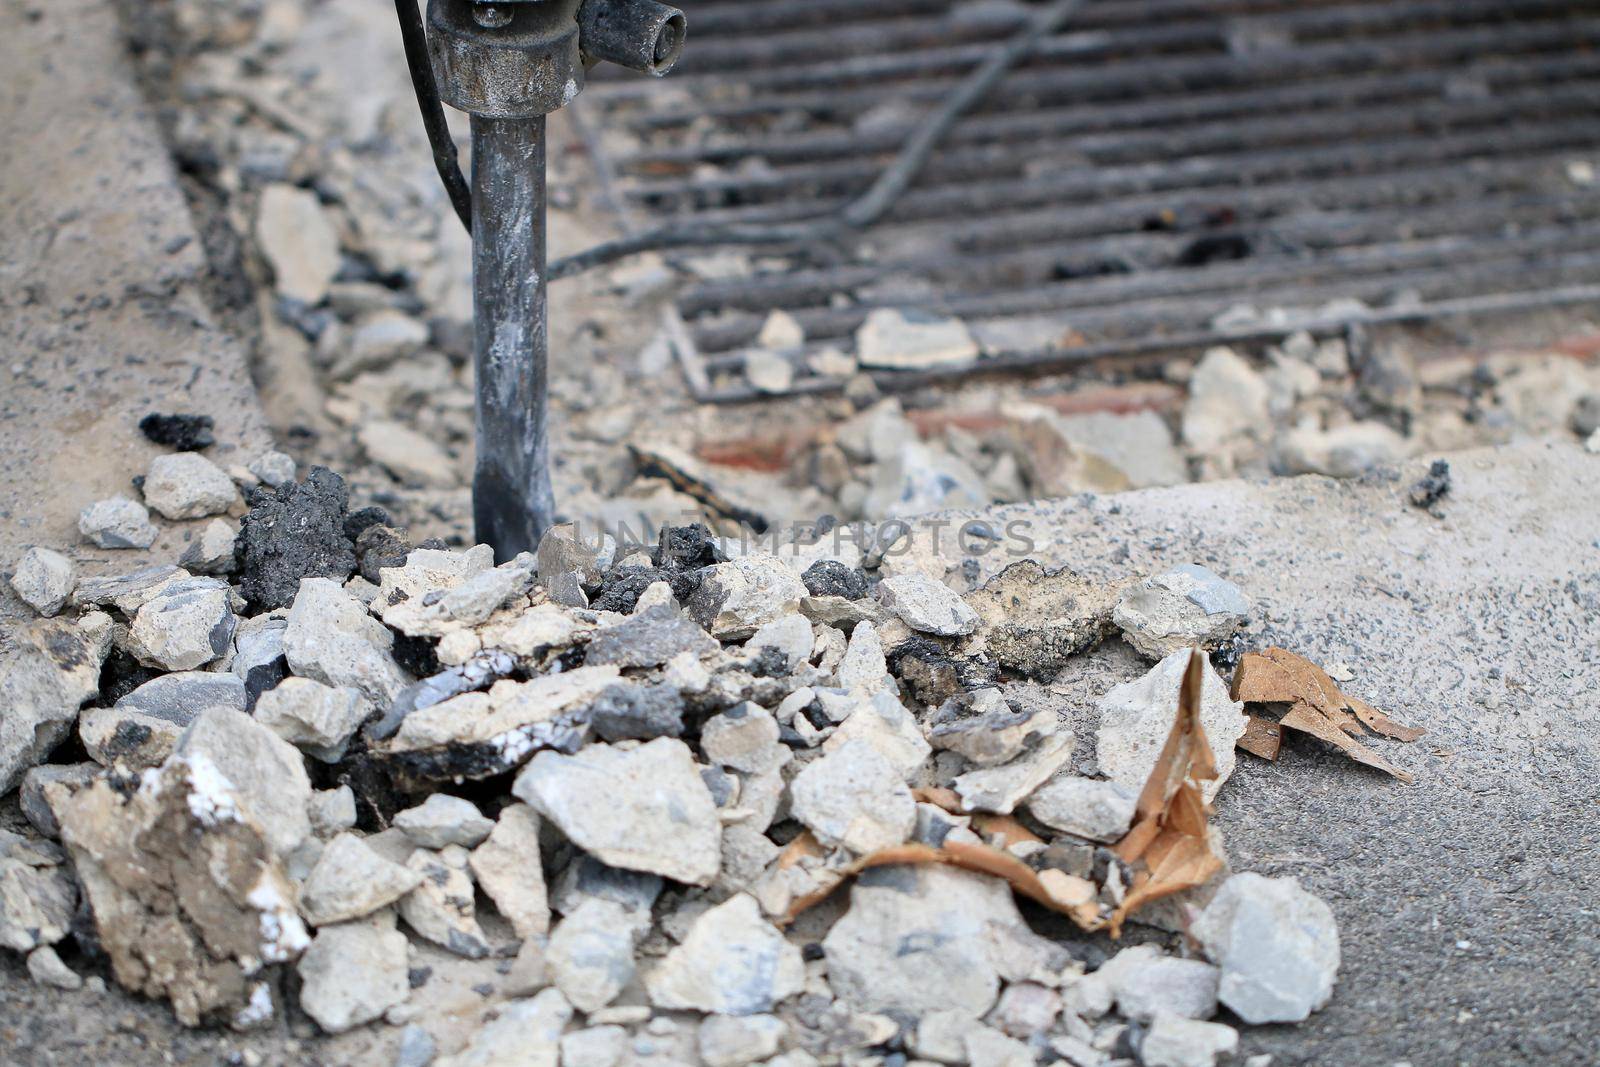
{"x": 1465, "y": 902}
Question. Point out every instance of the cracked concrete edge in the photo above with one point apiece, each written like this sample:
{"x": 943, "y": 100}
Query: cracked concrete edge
{"x": 102, "y": 313}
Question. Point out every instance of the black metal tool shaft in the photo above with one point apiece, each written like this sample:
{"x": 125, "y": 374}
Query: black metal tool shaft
{"x": 512, "y": 501}
{"x": 508, "y": 64}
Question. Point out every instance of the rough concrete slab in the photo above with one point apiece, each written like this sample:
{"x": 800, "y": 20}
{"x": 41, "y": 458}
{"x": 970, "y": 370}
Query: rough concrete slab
{"x": 1467, "y": 903}
{"x": 101, "y": 314}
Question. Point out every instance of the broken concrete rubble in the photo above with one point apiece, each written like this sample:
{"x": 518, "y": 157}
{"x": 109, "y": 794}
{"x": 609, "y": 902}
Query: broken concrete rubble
{"x": 188, "y": 896}
{"x": 1137, "y": 716}
{"x": 186, "y": 625}
{"x": 44, "y": 579}
{"x": 351, "y": 881}
{"x": 1277, "y": 946}
{"x": 1188, "y": 605}
{"x": 117, "y": 522}
{"x": 734, "y": 962}
{"x": 47, "y": 670}
{"x": 644, "y": 810}
{"x": 352, "y": 973}
{"x": 187, "y": 485}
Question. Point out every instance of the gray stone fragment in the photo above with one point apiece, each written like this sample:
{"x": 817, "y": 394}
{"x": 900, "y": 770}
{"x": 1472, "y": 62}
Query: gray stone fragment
{"x": 645, "y": 809}
{"x": 790, "y": 636}
{"x": 36, "y": 903}
{"x": 863, "y": 665}
{"x": 737, "y": 598}
{"x": 126, "y": 592}
{"x": 143, "y": 728}
{"x": 211, "y": 552}
{"x": 331, "y": 638}
{"x": 117, "y": 522}
{"x": 43, "y": 785}
{"x": 1084, "y": 807}
{"x": 351, "y": 881}
{"x": 596, "y": 1046}
{"x": 1000, "y": 789}
{"x": 590, "y": 954}
{"x": 332, "y": 811}
{"x": 884, "y": 723}
{"x": 353, "y": 973}
{"x": 266, "y": 774}
{"x": 632, "y": 712}
{"x": 272, "y": 468}
{"x": 1180, "y": 608}
{"x": 444, "y": 820}
{"x": 984, "y": 729}
{"x": 1145, "y": 981}
{"x": 441, "y": 908}
{"x": 927, "y": 606}
{"x": 1277, "y": 945}
{"x": 737, "y": 1040}
{"x": 743, "y": 738}
{"x": 417, "y": 1048}
{"x": 920, "y": 939}
{"x": 188, "y": 624}
{"x": 586, "y": 877}
{"x": 179, "y": 697}
{"x": 477, "y": 598}
{"x": 527, "y": 1033}
{"x": 126, "y": 738}
{"x": 46, "y": 968}
{"x": 44, "y": 579}
{"x": 649, "y": 639}
{"x": 47, "y": 670}
{"x": 316, "y": 718}
{"x": 1173, "y": 1041}
{"x": 1137, "y": 716}
{"x": 187, "y": 485}
{"x": 508, "y": 870}
{"x": 570, "y": 561}
{"x": 734, "y": 962}
{"x": 853, "y": 798}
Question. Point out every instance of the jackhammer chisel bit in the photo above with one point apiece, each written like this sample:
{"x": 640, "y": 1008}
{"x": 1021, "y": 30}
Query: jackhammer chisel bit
{"x": 508, "y": 64}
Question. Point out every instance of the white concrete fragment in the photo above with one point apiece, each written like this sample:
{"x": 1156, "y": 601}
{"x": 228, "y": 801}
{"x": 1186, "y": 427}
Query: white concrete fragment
{"x": 312, "y": 716}
{"x": 187, "y": 485}
{"x": 44, "y": 579}
{"x": 351, "y": 881}
{"x": 1173, "y": 1041}
{"x": 854, "y": 798}
{"x": 444, "y": 820}
{"x": 353, "y": 973}
{"x": 1137, "y": 716}
{"x": 117, "y": 522}
{"x": 1085, "y": 807}
{"x": 507, "y": 867}
{"x": 643, "y": 809}
{"x": 298, "y": 241}
{"x": 913, "y": 339}
{"x": 927, "y": 606}
{"x": 1180, "y": 608}
{"x": 1277, "y": 945}
{"x": 734, "y": 962}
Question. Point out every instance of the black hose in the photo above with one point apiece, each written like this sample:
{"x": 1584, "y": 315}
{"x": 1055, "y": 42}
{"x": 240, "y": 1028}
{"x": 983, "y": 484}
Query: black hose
{"x": 433, "y": 120}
